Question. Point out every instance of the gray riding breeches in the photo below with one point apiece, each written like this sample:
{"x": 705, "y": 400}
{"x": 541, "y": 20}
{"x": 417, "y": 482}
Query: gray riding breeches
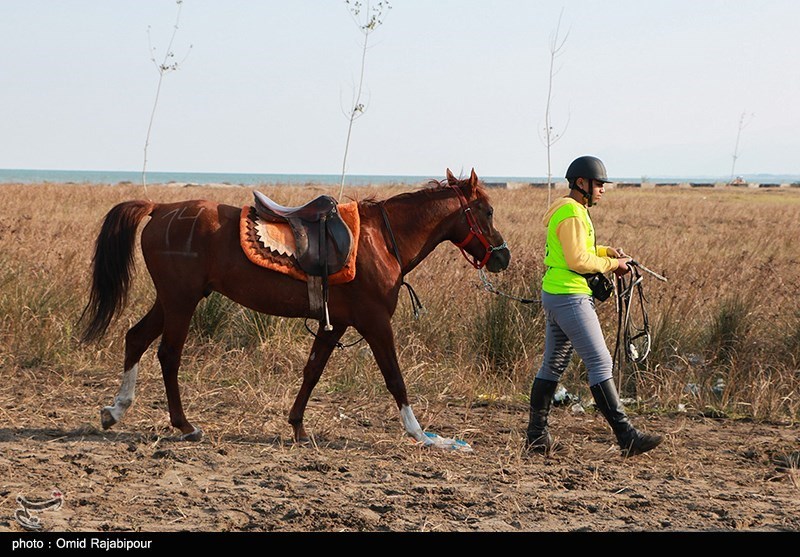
{"x": 572, "y": 324}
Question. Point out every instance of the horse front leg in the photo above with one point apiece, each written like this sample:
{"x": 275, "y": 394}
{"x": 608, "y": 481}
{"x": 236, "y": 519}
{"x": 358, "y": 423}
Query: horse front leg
{"x": 321, "y": 350}
{"x": 137, "y": 341}
{"x": 380, "y": 337}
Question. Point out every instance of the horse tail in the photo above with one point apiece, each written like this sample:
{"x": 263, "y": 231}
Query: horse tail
{"x": 112, "y": 266}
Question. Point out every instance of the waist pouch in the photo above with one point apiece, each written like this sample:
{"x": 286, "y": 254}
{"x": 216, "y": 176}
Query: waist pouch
{"x": 600, "y": 285}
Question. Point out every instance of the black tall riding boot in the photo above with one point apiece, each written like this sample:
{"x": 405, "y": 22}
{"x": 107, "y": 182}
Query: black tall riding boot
{"x": 538, "y": 439}
{"x": 631, "y": 441}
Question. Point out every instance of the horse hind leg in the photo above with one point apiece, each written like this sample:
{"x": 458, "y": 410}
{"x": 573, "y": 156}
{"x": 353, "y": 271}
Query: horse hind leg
{"x": 321, "y": 350}
{"x": 170, "y": 350}
{"x": 137, "y": 341}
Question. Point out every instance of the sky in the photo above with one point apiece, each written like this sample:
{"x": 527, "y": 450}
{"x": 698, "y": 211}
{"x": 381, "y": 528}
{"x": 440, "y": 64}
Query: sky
{"x": 655, "y": 88}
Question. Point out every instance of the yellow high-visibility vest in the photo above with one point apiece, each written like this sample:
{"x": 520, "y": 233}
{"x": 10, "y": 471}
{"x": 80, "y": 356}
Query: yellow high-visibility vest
{"x": 558, "y": 278}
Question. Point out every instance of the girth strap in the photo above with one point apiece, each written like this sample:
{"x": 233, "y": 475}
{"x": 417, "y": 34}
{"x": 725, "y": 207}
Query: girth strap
{"x": 323, "y": 244}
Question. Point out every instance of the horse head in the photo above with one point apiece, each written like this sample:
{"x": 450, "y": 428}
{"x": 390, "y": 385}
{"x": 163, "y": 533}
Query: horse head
{"x": 474, "y": 232}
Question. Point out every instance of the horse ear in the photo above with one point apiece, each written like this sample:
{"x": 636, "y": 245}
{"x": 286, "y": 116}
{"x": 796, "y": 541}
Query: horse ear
{"x": 473, "y": 178}
{"x": 450, "y": 178}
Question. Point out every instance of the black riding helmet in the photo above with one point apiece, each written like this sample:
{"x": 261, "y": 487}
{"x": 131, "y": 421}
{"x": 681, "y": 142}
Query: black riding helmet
{"x": 587, "y": 167}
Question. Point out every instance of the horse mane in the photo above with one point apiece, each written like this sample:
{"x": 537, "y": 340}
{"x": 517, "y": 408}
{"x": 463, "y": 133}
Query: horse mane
{"x": 433, "y": 188}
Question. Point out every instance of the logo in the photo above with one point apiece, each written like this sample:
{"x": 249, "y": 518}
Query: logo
{"x": 26, "y": 515}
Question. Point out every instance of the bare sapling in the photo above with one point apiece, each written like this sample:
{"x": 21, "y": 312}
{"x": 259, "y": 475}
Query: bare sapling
{"x": 550, "y": 135}
{"x": 166, "y": 65}
{"x": 367, "y": 18}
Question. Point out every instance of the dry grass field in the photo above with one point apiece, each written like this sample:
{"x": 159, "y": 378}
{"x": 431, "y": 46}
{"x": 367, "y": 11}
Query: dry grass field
{"x": 722, "y": 383}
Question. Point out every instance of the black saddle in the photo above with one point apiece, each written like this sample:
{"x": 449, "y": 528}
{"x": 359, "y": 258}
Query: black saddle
{"x": 322, "y": 239}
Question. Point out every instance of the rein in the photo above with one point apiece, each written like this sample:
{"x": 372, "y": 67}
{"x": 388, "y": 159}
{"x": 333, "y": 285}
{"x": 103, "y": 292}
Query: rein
{"x": 489, "y": 287}
{"x": 416, "y": 304}
{"x": 633, "y": 324}
{"x": 474, "y": 232}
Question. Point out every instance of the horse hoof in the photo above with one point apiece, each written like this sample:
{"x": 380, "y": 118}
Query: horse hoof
{"x": 106, "y": 418}
{"x": 195, "y": 435}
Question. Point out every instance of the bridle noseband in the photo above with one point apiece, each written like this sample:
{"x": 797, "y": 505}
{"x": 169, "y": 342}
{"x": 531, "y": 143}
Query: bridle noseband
{"x": 474, "y": 232}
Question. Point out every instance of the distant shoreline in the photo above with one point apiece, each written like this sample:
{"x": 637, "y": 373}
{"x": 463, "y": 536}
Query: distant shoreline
{"x": 33, "y": 176}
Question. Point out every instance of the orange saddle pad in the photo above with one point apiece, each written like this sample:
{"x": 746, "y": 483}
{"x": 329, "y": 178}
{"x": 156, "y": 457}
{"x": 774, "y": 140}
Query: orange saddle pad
{"x": 271, "y": 244}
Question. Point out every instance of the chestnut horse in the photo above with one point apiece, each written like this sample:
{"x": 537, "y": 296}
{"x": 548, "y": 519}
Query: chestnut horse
{"x": 192, "y": 248}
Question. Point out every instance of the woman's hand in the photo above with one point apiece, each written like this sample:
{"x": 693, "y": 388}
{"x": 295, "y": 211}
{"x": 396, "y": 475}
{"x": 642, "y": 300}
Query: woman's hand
{"x": 615, "y": 252}
{"x": 623, "y": 268}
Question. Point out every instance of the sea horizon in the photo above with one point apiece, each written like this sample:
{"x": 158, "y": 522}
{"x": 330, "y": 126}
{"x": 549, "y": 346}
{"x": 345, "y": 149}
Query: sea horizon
{"x": 112, "y": 177}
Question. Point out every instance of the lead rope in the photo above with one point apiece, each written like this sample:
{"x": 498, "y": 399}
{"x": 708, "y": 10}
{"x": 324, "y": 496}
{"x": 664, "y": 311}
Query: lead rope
{"x": 489, "y": 287}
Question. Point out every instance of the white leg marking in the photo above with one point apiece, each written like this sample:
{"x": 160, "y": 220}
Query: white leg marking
{"x": 412, "y": 425}
{"x": 124, "y": 398}
{"x": 429, "y": 439}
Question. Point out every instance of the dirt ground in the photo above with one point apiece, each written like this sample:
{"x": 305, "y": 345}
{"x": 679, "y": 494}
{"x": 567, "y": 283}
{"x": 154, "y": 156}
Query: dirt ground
{"x": 363, "y": 474}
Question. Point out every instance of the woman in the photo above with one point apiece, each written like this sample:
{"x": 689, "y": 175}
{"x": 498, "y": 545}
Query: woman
{"x": 572, "y": 324}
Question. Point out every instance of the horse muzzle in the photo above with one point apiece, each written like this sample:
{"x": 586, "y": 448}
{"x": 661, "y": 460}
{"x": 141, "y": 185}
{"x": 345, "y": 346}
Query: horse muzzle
{"x": 499, "y": 260}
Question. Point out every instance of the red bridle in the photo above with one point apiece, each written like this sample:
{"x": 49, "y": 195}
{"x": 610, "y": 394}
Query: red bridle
{"x": 474, "y": 232}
